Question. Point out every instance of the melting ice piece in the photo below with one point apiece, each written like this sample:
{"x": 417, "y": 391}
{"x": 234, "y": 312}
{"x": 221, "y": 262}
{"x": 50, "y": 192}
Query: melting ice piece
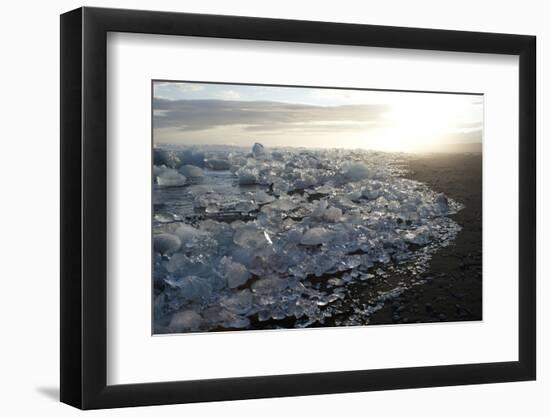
{"x": 235, "y": 273}
{"x": 441, "y": 203}
{"x": 316, "y": 236}
{"x": 250, "y": 237}
{"x": 186, "y": 320}
{"x": 239, "y": 303}
{"x": 322, "y": 211}
{"x": 218, "y": 164}
{"x": 320, "y": 208}
{"x": 221, "y": 316}
{"x": 165, "y": 157}
{"x": 269, "y": 285}
{"x": 356, "y": 171}
{"x": 165, "y": 217}
{"x": 191, "y": 171}
{"x": 258, "y": 149}
{"x": 247, "y": 175}
{"x": 166, "y": 243}
{"x": 181, "y": 265}
{"x": 332, "y": 214}
{"x": 284, "y": 204}
{"x": 170, "y": 178}
{"x": 188, "y": 234}
{"x": 191, "y": 287}
{"x": 371, "y": 194}
{"x": 191, "y": 157}
{"x": 420, "y": 236}
{"x": 261, "y": 197}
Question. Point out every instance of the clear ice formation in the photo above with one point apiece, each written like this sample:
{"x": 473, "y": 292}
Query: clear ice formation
{"x": 283, "y": 236}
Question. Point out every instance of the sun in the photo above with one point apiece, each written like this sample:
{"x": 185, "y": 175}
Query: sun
{"x": 421, "y": 121}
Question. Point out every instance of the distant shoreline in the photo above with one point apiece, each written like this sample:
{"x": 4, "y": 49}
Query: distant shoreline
{"x": 453, "y": 148}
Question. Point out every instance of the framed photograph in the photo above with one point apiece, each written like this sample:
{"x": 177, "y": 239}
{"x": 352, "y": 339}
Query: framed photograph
{"x": 257, "y": 207}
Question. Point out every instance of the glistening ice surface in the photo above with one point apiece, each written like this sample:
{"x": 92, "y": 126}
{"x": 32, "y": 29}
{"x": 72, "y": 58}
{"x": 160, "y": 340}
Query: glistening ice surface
{"x": 287, "y": 238}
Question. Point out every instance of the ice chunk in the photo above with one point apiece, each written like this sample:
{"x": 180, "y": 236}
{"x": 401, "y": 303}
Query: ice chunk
{"x": 320, "y": 208}
{"x": 283, "y": 203}
{"x": 159, "y": 170}
{"x": 192, "y": 157}
{"x": 239, "y": 303}
{"x": 250, "y": 237}
{"x": 187, "y": 320}
{"x": 261, "y": 197}
{"x": 165, "y": 217}
{"x": 354, "y": 195}
{"x": 322, "y": 211}
{"x": 188, "y": 234}
{"x": 235, "y": 273}
{"x": 371, "y": 194}
{"x": 191, "y": 171}
{"x": 191, "y": 287}
{"x": 269, "y": 285}
{"x": 170, "y": 178}
{"x": 237, "y": 161}
{"x": 212, "y": 208}
{"x": 332, "y": 214}
{"x": 245, "y": 206}
{"x": 356, "y": 171}
{"x": 166, "y": 243}
{"x": 218, "y": 164}
{"x": 258, "y": 149}
{"x": 420, "y": 236}
{"x": 181, "y": 264}
{"x": 325, "y": 189}
{"x": 222, "y": 317}
{"x": 165, "y": 157}
{"x": 247, "y": 175}
{"x": 316, "y": 236}
{"x": 441, "y": 203}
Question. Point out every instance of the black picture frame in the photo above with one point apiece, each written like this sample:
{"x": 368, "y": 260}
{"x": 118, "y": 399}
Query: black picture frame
{"x": 84, "y": 207}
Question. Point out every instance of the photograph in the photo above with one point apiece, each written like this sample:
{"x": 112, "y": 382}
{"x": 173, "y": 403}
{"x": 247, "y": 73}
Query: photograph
{"x": 291, "y": 207}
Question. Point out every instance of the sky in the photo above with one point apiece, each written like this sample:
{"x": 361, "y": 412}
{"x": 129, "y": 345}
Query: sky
{"x": 230, "y": 114}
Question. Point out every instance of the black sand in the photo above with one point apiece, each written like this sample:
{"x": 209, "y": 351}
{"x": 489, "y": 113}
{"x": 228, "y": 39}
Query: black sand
{"x": 454, "y": 290}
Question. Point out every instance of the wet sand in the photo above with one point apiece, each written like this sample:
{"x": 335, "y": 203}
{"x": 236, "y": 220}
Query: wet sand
{"x": 453, "y": 291}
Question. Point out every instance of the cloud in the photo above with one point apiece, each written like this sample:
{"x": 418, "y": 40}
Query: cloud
{"x": 171, "y": 90}
{"x": 179, "y": 86}
{"x": 230, "y": 95}
{"x": 314, "y": 127}
{"x": 197, "y": 115}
